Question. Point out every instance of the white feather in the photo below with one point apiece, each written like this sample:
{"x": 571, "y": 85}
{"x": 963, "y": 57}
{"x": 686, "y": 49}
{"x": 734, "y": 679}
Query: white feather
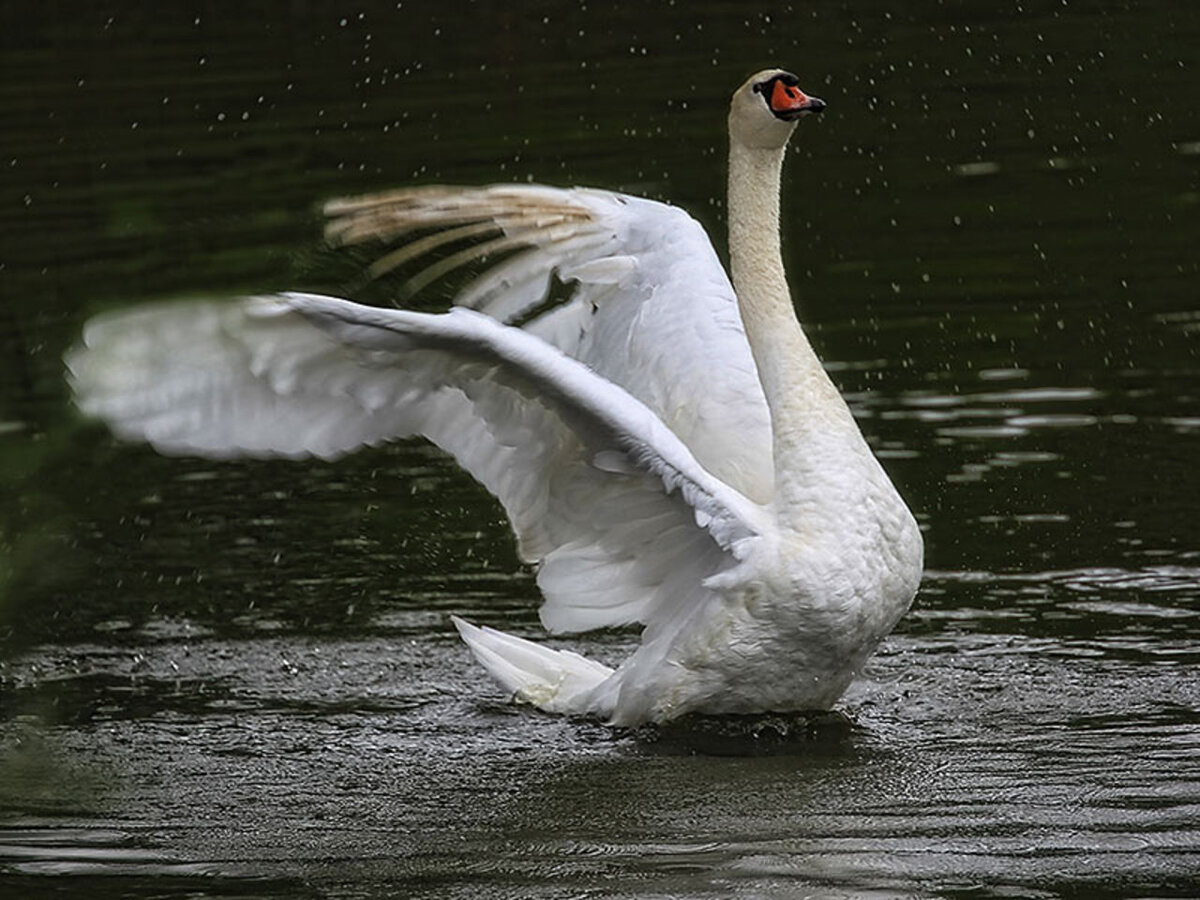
{"x": 652, "y": 307}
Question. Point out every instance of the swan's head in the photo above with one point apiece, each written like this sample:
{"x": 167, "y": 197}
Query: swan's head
{"x": 765, "y": 109}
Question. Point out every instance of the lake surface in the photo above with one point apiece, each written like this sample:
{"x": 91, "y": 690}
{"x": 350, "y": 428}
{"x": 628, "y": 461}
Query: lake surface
{"x": 240, "y": 679}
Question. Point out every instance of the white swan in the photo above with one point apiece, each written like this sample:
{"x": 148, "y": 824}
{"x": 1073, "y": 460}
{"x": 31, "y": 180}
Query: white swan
{"x": 663, "y": 460}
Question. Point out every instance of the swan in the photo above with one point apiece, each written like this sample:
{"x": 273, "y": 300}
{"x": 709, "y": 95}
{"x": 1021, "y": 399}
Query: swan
{"x": 665, "y": 441}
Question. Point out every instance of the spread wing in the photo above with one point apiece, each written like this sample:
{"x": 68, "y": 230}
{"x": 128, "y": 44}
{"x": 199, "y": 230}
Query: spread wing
{"x": 624, "y": 522}
{"x": 651, "y": 309}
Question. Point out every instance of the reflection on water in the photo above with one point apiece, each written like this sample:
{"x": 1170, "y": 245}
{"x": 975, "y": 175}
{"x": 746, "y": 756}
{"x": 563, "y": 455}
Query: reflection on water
{"x": 240, "y": 680}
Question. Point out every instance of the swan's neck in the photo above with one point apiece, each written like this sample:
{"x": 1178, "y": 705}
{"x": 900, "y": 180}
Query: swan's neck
{"x": 809, "y": 421}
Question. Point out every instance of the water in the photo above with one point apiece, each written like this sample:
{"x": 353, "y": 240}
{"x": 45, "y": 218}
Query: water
{"x": 240, "y": 680}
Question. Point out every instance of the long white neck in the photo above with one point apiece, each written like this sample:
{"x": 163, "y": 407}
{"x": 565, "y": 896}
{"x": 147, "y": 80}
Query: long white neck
{"x": 809, "y": 421}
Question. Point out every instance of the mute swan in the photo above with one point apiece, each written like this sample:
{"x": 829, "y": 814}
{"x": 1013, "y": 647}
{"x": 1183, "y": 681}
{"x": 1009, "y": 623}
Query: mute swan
{"x": 663, "y": 459}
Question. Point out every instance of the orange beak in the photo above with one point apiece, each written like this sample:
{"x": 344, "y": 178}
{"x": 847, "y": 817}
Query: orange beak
{"x": 789, "y": 102}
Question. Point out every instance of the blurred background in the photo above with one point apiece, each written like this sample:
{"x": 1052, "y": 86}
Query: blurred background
{"x": 241, "y": 677}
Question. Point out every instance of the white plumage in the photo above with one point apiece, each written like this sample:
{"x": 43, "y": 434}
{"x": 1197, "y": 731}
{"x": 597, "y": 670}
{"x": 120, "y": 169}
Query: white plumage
{"x": 666, "y": 456}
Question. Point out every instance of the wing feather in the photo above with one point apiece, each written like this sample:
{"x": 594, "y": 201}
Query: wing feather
{"x": 615, "y": 543}
{"x": 652, "y": 309}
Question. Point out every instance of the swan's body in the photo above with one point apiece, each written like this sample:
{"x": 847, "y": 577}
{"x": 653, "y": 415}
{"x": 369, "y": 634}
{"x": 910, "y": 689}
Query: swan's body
{"x": 669, "y": 453}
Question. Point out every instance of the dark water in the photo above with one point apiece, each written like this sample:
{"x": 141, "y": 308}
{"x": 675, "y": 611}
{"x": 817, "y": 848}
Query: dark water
{"x": 240, "y": 679}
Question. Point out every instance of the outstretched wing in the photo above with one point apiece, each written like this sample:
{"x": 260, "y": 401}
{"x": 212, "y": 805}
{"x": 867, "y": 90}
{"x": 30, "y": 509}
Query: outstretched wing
{"x": 624, "y": 522}
{"x": 651, "y": 309}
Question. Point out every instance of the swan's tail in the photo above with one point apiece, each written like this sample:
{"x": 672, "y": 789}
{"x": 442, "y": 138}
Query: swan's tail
{"x": 557, "y": 681}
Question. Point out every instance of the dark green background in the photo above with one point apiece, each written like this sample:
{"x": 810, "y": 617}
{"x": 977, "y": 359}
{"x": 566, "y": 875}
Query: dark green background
{"x": 992, "y": 235}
